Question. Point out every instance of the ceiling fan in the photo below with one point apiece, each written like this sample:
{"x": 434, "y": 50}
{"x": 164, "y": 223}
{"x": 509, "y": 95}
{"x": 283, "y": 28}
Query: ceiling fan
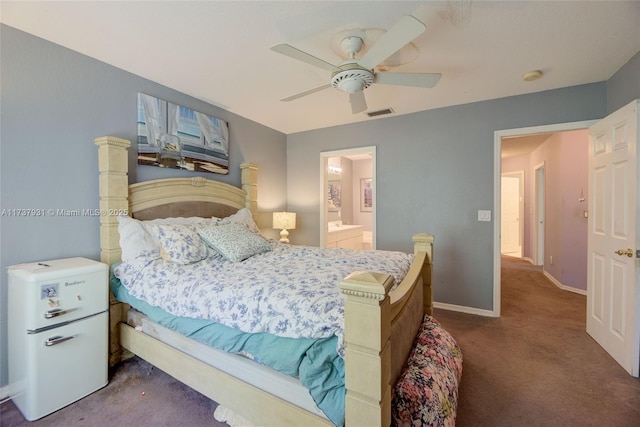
{"x": 353, "y": 76}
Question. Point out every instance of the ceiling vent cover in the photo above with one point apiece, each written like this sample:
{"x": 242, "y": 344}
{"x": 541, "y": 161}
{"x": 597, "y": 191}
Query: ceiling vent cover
{"x": 380, "y": 112}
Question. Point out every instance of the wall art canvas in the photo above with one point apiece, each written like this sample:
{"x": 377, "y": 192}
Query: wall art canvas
{"x": 366, "y": 195}
{"x": 335, "y": 196}
{"x": 173, "y": 136}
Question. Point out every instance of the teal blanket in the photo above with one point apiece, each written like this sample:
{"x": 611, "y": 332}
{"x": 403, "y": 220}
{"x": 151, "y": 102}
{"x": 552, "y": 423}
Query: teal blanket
{"x": 314, "y": 361}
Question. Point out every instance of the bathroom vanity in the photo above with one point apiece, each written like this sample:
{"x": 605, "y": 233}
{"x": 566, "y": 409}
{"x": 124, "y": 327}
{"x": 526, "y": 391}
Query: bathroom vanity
{"x": 344, "y": 236}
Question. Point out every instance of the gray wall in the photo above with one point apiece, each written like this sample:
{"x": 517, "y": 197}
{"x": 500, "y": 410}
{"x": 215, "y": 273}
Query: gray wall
{"x": 435, "y": 171}
{"x": 624, "y": 86}
{"x": 55, "y": 102}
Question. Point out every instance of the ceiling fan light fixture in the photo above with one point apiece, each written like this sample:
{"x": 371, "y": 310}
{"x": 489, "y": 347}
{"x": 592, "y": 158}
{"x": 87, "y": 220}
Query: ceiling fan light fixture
{"x": 352, "y": 80}
{"x": 357, "y": 74}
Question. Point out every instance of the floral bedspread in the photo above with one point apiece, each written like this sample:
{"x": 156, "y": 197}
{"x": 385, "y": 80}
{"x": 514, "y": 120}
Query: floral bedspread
{"x": 291, "y": 291}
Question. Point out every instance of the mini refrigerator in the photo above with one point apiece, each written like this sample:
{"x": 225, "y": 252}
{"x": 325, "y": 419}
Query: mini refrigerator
{"x": 58, "y": 333}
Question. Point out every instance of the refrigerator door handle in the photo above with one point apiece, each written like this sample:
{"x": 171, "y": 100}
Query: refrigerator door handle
{"x": 56, "y": 312}
{"x": 58, "y": 339}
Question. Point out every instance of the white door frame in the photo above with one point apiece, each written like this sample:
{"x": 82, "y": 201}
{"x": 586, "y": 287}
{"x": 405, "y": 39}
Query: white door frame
{"x": 324, "y": 181}
{"x": 538, "y": 213}
{"x": 497, "y": 173}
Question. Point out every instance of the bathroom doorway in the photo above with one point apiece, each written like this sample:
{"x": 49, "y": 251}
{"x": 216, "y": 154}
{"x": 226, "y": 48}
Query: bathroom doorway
{"x": 348, "y": 198}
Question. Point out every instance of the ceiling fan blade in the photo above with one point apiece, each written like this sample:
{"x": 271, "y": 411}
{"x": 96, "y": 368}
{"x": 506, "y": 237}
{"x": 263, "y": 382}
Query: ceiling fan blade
{"x": 408, "y": 79}
{"x": 402, "y": 32}
{"x": 358, "y": 103}
{"x": 295, "y": 53}
{"x": 305, "y": 93}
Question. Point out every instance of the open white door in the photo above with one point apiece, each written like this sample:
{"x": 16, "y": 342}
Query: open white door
{"x": 613, "y": 284}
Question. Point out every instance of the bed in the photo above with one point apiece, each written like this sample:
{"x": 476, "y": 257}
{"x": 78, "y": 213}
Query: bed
{"x": 372, "y": 312}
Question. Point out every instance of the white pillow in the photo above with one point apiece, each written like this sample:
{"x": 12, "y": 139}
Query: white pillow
{"x": 180, "y": 243}
{"x": 234, "y": 241}
{"x": 138, "y": 241}
{"x": 135, "y": 241}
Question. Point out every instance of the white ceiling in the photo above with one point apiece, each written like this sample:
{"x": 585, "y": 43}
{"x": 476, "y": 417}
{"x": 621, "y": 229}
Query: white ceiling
{"x": 219, "y": 51}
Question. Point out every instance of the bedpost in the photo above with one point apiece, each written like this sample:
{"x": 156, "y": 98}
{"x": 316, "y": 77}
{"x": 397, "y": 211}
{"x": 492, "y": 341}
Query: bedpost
{"x": 113, "y": 165}
{"x": 249, "y": 181}
{"x": 423, "y": 242}
{"x": 367, "y": 325}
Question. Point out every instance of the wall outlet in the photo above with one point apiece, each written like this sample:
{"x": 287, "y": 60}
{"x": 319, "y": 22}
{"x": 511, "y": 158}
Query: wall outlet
{"x": 551, "y": 259}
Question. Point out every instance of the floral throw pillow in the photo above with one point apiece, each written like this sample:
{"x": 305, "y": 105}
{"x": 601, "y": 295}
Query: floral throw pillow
{"x": 180, "y": 243}
{"x": 139, "y": 240}
{"x": 234, "y": 241}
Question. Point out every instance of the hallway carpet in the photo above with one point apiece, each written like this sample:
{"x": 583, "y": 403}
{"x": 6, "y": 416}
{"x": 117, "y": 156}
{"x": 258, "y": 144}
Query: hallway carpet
{"x": 534, "y": 366}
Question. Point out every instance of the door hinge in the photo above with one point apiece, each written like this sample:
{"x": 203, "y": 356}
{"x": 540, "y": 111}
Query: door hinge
{"x": 637, "y": 253}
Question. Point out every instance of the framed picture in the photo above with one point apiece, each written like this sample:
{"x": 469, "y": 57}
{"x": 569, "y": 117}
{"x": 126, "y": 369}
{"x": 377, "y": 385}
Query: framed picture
{"x": 335, "y": 196}
{"x": 173, "y": 136}
{"x": 366, "y": 195}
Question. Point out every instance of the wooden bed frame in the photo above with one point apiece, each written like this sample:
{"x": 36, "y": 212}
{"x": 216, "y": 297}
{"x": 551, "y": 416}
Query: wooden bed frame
{"x": 371, "y": 310}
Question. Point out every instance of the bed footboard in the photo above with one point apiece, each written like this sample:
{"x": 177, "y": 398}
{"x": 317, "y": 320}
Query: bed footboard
{"x": 370, "y": 309}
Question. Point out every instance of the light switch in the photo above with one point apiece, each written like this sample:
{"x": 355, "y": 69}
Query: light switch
{"x": 484, "y": 215}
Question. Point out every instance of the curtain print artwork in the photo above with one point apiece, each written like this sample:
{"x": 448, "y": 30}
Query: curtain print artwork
{"x": 173, "y": 136}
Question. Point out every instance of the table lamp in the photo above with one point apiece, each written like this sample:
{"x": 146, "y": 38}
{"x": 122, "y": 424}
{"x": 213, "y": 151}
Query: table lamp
{"x": 284, "y": 221}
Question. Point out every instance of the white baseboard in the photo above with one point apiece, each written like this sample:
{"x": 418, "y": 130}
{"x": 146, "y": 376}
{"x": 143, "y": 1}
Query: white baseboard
{"x": 464, "y": 309}
{"x": 563, "y": 287}
{"x": 4, "y": 393}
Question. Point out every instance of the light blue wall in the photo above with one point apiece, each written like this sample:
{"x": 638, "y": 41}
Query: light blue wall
{"x": 435, "y": 171}
{"x": 54, "y": 103}
{"x": 624, "y": 86}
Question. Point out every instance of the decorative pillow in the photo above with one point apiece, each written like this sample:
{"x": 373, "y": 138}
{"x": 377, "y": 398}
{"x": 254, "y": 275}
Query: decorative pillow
{"x": 244, "y": 217}
{"x": 426, "y": 393}
{"x": 180, "y": 243}
{"x": 139, "y": 241}
{"x": 234, "y": 241}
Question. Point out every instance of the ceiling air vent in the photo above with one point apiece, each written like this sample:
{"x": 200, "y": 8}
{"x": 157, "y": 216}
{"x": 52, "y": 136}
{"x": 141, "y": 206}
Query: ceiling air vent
{"x": 380, "y": 112}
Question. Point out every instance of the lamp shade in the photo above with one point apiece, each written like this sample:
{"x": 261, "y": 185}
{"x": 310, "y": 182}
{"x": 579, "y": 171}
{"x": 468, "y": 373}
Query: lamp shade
{"x": 284, "y": 220}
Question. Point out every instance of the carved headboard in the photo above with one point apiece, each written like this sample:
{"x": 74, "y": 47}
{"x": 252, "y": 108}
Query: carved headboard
{"x": 161, "y": 198}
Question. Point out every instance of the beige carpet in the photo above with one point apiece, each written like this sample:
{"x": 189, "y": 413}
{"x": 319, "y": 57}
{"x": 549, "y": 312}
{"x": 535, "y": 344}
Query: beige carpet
{"x": 138, "y": 395}
{"x": 536, "y": 365}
